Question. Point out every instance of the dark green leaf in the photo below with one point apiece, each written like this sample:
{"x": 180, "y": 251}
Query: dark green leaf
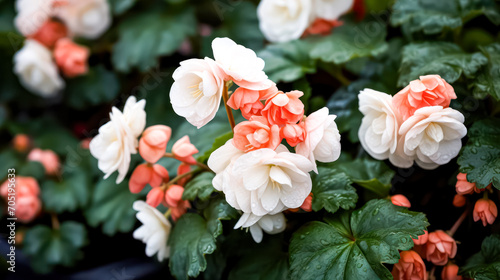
{"x": 287, "y": 62}
{"x": 350, "y": 41}
{"x": 442, "y": 58}
{"x": 331, "y": 190}
{"x": 111, "y": 206}
{"x": 32, "y": 169}
{"x": 219, "y": 141}
{"x": 373, "y": 175}
{"x": 488, "y": 80}
{"x": 48, "y": 247}
{"x": 121, "y": 6}
{"x": 67, "y": 194}
{"x": 354, "y": 245}
{"x": 194, "y": 236}
{"x": 432, "y": 17}
{"x": 484, "y": 265}
{"x": 97, "y": 86}
{"x": 480, "y": 158}
{"x": 145, "y": 37}
{"x": 200, "y": 186}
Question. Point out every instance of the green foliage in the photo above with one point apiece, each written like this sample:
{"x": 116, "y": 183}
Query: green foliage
{"x": 485, "y": 264}
{"x": 121, "y": 6}
{"x": 32, "y": 169}
{"x": 354, "y": 245}
{"x": 288, "y": 62}
{"x": 219, "y": 141}
{"x": 480, "y": 158}
{"x": 332, "y": 190}
{"x": 146, "y": 36}
{"x": 444, "y": 59}
{"x": 97, "y": 86}
{"x": 488, "y": 80}
{"x": 48, "y": 247}
{"x": 111, "y": 206}
{"x": 68, "y": 193}
{"x": 195, "y": 236}
{"x": 432, "y": 17}
{"x": 370, "y": 174}
{"x": 200, "y": 186}
{"x": 350, "y": 41}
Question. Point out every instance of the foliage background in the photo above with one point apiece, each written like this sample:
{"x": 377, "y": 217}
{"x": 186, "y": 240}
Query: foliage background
{"x": 394, "y": 44}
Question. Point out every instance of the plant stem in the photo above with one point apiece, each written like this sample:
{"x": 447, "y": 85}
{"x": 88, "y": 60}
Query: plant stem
{"x": 167, "y": 214}
{"x": 225, "y": 97}
{"x": 55, "y": 221}
{"x": 179, "y": 177}
{"x": 457, "y": 224}
{"x": 199, "y": 164}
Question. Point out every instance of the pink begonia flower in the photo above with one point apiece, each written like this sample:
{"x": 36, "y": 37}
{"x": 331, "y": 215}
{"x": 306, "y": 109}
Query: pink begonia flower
{"x": 240, "y": 64}
{"x": 410, "y": 267}
{"x": 28, "y": 204}
{"x": 459, "y": 200}
{"x": 50, "y": 32}
{"x": 284, "y": 108}
{"x": 464, "y": 187}
{"x": 400, "y": 200}
{"x": 486, "y": 211}
{"x": 440, "y": 247}
{"x": 173, "y": 198}
{"x": 47, "y": 158}
{"x": 422, "y": 239}
{"x": 450, "y": 272}
{"x": 153, "y": 143}
{"x": 21, "y": 142}
{"x": 294, "y": 133}
{"x": 249, "y": 101}
{"x": 155, "y": 196}
{"x": 183, "y": 168}
{"x": 256, "y": 134}
{"x": 322, "y": 26}
{"x": 430, "y": 90}
{"x": 322, "y": 141}
{"x": 183, "y": 150}
{"x": 145, "y": 174}
{"x": 71, "y": 58}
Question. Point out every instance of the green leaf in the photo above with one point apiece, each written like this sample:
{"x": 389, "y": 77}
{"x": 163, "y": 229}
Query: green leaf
{"x": 8, "y": 159}
{"x": 111, "y": 206}
{"x": 48, "y": 247}
{"x": 241, "y": 25}
{"x": 32, "y": 169}
{"x": 485, "y": 264}
{"x": 68, "y": 194}
{"x": 121, "y": 6}
{"x": 432, "y": 17}
{"x": 373, "y": 175}
{"x": 332, "y": 190}
{"x": 287, "y": 62}
{"x": 350, "y": 41}
{"x": 200, "y": 186}
{"x": 354, "y": 245}
{"x": 97, "y": 86}
{"x": 265, "y": 261}
{"x": 195, "y": 236}
{"x": 219, "y": 141}
{"x": 442, "y": 58}
{"x": 145, "y": 37}
{"x": 488, "y": 80}
{"x": 480, "y": 158}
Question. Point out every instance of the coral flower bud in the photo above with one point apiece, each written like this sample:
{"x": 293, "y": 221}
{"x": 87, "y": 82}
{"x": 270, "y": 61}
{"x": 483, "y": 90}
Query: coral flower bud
{"x": 410, "y": 267}
{"x": 400, "y": 200}
{"x": 145, "y": 174}
{"x": 459, "y": 200}
{"x": 422, "y": 239}
{"x": 71, "y": 58}
{"x": 440, "y": 247}
{"x": 450, "y": 272}
{"x": 50, "y": 32}
{"x": 485, "y": 210}
{"x": 21, "y": 142}
{"x": 284, "y": 108}
{"x": 183, "y": 150}
{"x": 153, "y": 143}
{"x": 464, "y": 187}
{"x": 255, "y": 134}
{"x": 155, "y": 196}
{"x": 47, "y": 158}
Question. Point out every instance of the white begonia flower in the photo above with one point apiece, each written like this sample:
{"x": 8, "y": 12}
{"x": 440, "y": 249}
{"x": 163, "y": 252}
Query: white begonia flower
{"x": 36, "y": 69}
{"x": 117, "y": 139}
{"x": 265, "y": 181}
{"x": 433, "y": 135}
{"x": 222, "y": 159}
{"x": 240, "y": 64}
{"x": 271, "y": 224}
{"x": 379, "y": 128}
{"x": 155, "y": 230}
{"x": 322, "y": 141}
{"x": 284, "y": 20}
{"x": 197, "y": 90}
{"x": 85, "y": 18}
{"x": 332, "y": 9}
{"x": 32, "y": 14}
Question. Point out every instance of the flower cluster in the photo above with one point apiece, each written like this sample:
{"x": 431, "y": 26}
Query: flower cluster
{"x": 283, "y": 21}
{"x": 49, "y": 27}
{"x": 280, "y": 179}
{"x": 414, "y": 125}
